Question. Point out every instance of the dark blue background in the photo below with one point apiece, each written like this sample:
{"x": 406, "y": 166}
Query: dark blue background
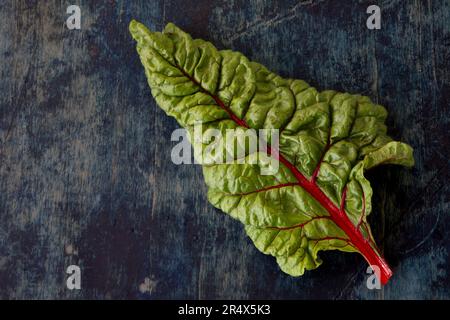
{"x": 85, "y": 170}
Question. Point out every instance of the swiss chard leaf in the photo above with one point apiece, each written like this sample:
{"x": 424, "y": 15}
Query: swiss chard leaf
{"x": 319, "y": 198}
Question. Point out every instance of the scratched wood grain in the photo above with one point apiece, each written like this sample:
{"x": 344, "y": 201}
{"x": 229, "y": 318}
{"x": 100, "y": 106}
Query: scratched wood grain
{"x": 85, "y": 170}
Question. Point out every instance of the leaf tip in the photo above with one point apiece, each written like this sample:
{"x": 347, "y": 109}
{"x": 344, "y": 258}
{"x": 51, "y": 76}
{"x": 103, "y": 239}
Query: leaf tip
{"x": 137, "y": 30}
{"x": 133, "y": 26}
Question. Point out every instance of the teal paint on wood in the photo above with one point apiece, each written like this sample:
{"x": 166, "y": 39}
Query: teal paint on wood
{"x": 85, "y": 175}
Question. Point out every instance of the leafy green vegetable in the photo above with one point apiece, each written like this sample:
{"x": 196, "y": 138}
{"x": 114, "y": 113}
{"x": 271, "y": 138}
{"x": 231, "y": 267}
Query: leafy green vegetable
{"x": 319, "y": 199}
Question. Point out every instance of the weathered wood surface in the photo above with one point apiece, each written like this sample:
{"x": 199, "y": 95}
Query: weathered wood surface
{"x": 86, "y": 176}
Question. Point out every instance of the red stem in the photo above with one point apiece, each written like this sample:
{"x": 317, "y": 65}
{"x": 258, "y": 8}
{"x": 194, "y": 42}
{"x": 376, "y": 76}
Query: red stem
{"x": 342, "y": 220}
{"x": 338, "y": 215}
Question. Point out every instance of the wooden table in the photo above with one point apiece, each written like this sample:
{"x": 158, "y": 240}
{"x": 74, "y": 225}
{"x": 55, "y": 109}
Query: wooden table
{"x": 85, "y": 170}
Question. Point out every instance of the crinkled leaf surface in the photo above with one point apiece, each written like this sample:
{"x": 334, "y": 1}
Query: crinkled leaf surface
{"x": 319, "y": 198}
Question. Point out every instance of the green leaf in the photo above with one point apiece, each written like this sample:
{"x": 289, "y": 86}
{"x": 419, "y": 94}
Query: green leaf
{"x": 319, "y": 198}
